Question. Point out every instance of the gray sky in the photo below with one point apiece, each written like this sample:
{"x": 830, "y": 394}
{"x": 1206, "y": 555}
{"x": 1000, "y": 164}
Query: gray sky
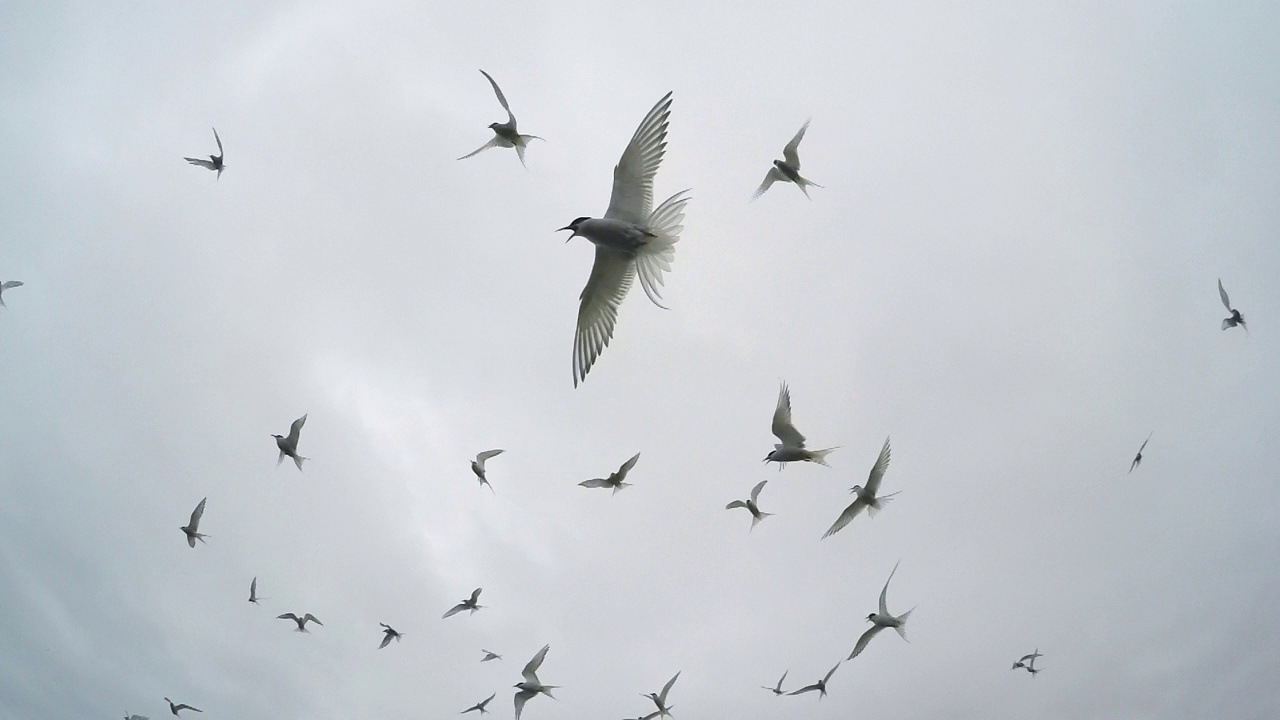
{"x": 1011, "y": 270}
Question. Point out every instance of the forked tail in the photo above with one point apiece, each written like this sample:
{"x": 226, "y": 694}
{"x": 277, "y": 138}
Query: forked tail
{"x": 655, "y": 256}
{"x": 901, "y": 627}
{"x": 820, "y": 456}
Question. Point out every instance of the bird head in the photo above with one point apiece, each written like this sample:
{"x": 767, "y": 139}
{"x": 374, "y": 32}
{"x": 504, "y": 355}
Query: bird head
{"x": 769, "y": 457}
{"x": 871, "y": 617}
{"x": 573, "y": 226}
{"x": 856, "y": 489}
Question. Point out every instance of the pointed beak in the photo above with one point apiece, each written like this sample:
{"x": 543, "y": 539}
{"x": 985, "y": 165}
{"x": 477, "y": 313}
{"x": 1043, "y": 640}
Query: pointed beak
{"x": 572, "y": 233}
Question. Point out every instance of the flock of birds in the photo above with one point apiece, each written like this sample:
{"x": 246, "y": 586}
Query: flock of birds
{"x": 635, "y": 239}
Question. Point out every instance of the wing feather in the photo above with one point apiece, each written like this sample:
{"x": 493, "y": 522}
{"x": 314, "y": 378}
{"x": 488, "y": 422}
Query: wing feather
{"x": 502, "y": 99}
{"x": 294, "y": 430}
{"x": 632, "y": 195}
{"x": 782, "y": 427}
{"x": 530, "y": 671}
{"x": 846, "y": 517}
{"x": 611, "y": 278}
{"x": 877, "y": 470}
{"x": 790, "y": 152}
{"x": 196, "y": 515}
{"x": 1222, "y": 293}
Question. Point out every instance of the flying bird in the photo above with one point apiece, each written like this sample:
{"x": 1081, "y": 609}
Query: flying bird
{"x": 531, "y": 685}
{"x": 489, "y": 655}
{"x": 7, "y": 285}
{"x": 194, "y": 524}
{"x": 479, "y": 706}
{"x": 389, "y": 634}
{"x": 882, "y": 620}
{"x": 136, "y": 717}
{"x": 867, "y": 497}
{"x": 468, "y": 604}
{"x": 788, "y": 169}
{"x": 253, "y": 591}
{"x": 751, "y": 506}
{"x": 477, "y": 466}
{"x": 1137, "y": 459}
{"x": 1028, "y": 661}
{"x": 792, "y": 448}
{"x": 777, "y": 689}
{"x": 215, "y": 161}
{"x": 820, "y": 686}
{"x": 176, "y": 707}
{"x": 615, "y": 480}
{"x": 302, "y": 621}
{"x": 1236, "y": 318}
{"x": 630, "y": 239}
{"x": 504, "y": 134}
{"x": 289, "y": 445}
{"x": 660, "y": 699}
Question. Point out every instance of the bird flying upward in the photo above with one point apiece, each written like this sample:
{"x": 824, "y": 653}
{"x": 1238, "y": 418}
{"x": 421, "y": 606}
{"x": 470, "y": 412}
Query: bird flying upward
{"x": 867, "y": 497}
{"x": 788, "y": 169}
{"x": 881, "y": 620}
{"x": 615, "y": 480}
{"x": 215, "y": 161}
{"x": 504, "y": 134}
{"x": 791, "y": 448}
{"x": 194, "y": 524}
{"x": 631, "y": 239}
{"x": 289, "y": 445}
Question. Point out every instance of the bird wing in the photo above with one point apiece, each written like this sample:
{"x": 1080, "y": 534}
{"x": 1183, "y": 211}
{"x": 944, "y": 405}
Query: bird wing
{"x": 830, "y": 672}
{"x": 530, "y": 671}
{"x": 288, "y": 616}
{"x": 784, "y": 677}
{"x": 521, "y": 698}
{"x": 215, "y": 137}
{"x": 755, "y": 491}
{"x": 485, "y": 701}
{"x": 253, "y": 589}
{"x": 626, "y": 466}
{"x": 312, "y": 618}
{"x": 611, "y": 278}
{"x": 769, "y": 179}
{"x": 475, "y": 595}
{"x": 295, "y": 429}
{"x": 877, "y": 470}
{"x": 662, "y": 696}
{"x": 11, "y": 284}
{"x": 632, "y": 197}
{"x": 782, "y": 426}
{"x": 386, "y": 640}
{"x": 184, "y": 706}
{"x": 866, "y": 638}
{"x": 736, "y": 504}
{"x": 196, "y": 515}
{"x": 502, "y": 99}
{"x": 454, "y": 610}
{"x": 1222, "y": 293}
{"x": 495, "y": 142}
{"x": 486, "y": 455}
{"x": 789, "y": 152}
{"x": 884, "y": 609}
{"x": 596, "y": 483}
{"x": 805, "y": 689}
{"x": 846, "y": 517}
{"x": 201, "y": 162}
{"x": 1144, "y": 443}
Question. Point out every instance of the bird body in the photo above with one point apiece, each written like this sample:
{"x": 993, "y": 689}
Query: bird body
{"x": 1028, "y": 662}
{"x": 1236, "y": 318}
{"x": 629, "y": 240}
{"x": 8, "y": 285}
{"x": 867, "y": 497}
{"x": 253, "y": 592}
{"x": 660, "y": 698}
{"x": 777, "y": 689}
{"x": 489, "y": 655}
{"x": 531, "y": 686}
{"x": 289, "y": 445}
{"x": 468, "y": 604}
{"x": 751, "y": 506}
{"x": 301, "y": 621}
{"x": 389, "y": 634}
{"x": 480, "y": 705}
{"x": 190, "y": 529}
{"x": 477, "y": 466}
{"x": 1137, "y": 459}
{"x": 505, "y": 134}
{"x": 820, "y": 686}
{"x": 791, "y": 448}
{"x": 615, "y": 480}
{"x": 175, "y": 708}
{"x": 882, "y": 619}
{"x": 788, "y": 169}
{"x": 215, "y": 161}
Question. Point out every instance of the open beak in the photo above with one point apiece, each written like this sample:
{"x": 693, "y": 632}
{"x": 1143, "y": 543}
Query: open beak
{"x": 572, "y": 234}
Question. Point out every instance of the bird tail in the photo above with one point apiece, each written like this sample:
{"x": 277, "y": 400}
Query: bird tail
{"x": 820, "y": 456}
{"x": 546, "y": 690}
{"x": 297, "y": 460}
{"x": 655, "y": 256}
{"x": 881, "y": 501}
{"x": 755, "y": 519}
{"x": 901, "y": 627}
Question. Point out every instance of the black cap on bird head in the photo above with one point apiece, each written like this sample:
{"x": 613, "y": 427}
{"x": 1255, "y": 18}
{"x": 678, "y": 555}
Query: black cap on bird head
{"x": 573, "y": 226}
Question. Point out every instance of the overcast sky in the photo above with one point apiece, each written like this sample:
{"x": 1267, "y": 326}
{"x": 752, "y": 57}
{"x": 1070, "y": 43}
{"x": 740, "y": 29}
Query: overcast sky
{"x": 1011, "y": 271}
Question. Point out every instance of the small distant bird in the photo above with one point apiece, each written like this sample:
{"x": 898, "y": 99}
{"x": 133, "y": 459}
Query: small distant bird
{"x": 630, "y": 240}
{"x": 175, "y": 708}
{"x": 1236, "y": 318}
{"x": 289, "y": 445}
{"x": 136, "y": 717}
{"x": 820, "y": 686}
{"x": 866, "y": 495}
{"x": 615, "y": 480}
{"x": 792, "y": 448}
{"x": 1028, "y": 662}
{"x": 660, "y": 699}
{"x": 531, "y": 685}
{"x": 1137, "y": 459}
{"x": 477, "y": 466}
{"x": 489, "y": 655}
{"x": 302, "y": 621}
{"x": 751, "y": 506}
{"x": 788, "y": 169}
{"x": 253, "y": 592}
{"x": 7, "y": 285}
{"x": 194, "y": 524}
{"x": 389, "y": 634}
{"x": 777, "y": 689}
{"x": 882, "y": 620}
{"x": 468, "y": 604}
{"x": 650, "y": 716}
{"x": 215, "y": 161}
{"x": 504, "y": 134}
{"x": 479, "y": 706}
